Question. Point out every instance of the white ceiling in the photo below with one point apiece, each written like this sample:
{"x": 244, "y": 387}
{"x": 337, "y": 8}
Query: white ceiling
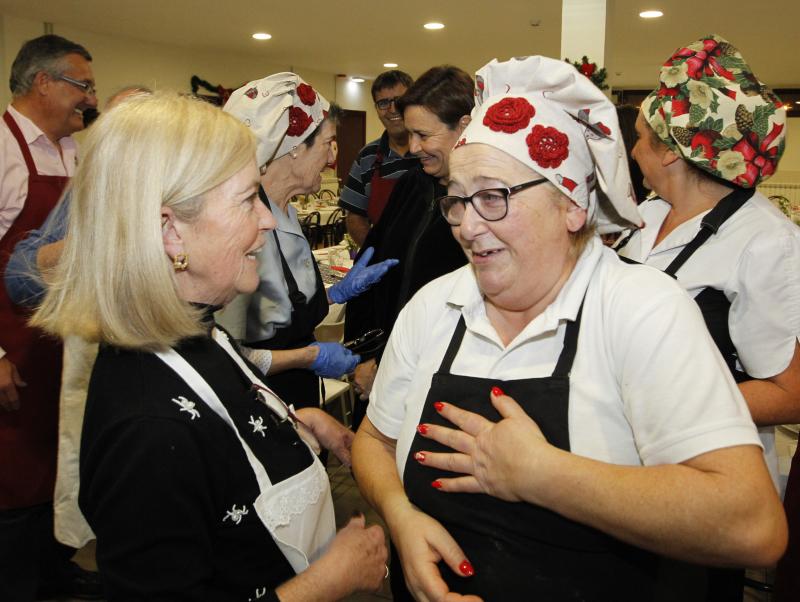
{"x": 357, "y": 36}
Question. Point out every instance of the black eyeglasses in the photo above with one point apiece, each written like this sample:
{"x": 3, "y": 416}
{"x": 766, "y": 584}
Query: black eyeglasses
{"x": 491, "y": 204}
{"x": 385, "y": 103}
{"x": 87, "y": 87}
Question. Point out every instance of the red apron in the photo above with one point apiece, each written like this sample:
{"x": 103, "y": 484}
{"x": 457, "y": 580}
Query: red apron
{"x": 29, "y": 436}
{"x": 379, "y": 190}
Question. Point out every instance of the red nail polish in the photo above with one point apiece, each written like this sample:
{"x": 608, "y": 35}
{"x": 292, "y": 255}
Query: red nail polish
{"x": 437, "y": 484}
{"x": 466, "y": 569}
{"x": 422, "y": 429}
{"x": 438, "y": 406}
{"x": 497, "y": 391}
{"x": 419, "y": 457}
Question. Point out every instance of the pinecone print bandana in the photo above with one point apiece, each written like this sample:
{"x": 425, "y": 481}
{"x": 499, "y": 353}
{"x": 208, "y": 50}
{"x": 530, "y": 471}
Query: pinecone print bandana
{"x": 711, "y": 108}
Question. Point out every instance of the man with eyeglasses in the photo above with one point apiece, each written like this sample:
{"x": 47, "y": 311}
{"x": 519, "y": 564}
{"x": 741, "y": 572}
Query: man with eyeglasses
{"x": 381, "y": 162}
{"x": 52, "y": 85}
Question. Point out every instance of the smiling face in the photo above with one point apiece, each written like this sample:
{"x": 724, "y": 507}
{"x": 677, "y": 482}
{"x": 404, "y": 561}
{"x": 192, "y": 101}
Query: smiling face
{"x": 391, "y": 119}
{"x": 431, "y": 139}
{"x": 222, "y": 244}
{"x": 66, "y": 101}
{"x": 521, "y": 261}
{"x": 309, "y": 162}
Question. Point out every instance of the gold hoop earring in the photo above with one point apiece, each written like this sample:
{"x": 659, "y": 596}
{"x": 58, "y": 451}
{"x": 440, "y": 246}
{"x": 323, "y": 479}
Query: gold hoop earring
{"x": 181, "y": 262}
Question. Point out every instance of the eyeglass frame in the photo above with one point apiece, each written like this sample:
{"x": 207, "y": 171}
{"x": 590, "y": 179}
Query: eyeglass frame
{"x": 507, "y": 192}
{"x": 86, "y": 87}
{"x": 389, "y": 102}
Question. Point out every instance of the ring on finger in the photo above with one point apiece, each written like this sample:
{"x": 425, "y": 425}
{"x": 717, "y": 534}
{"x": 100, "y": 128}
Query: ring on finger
{"x": 386, "y": 576}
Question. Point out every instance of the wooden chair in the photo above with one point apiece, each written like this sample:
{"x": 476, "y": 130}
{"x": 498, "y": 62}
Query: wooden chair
{"x": 312, "y": 230}
{"x": 333, "y": 231}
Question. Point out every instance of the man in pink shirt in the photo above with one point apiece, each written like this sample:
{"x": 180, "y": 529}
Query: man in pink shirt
{"x": 52, "y": 85}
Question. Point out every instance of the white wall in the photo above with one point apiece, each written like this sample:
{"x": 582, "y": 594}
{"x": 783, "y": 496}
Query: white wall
{"x": 120, "y": 61}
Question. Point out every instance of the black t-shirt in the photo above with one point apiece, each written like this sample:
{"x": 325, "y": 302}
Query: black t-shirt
{"x": 166, "y": 486}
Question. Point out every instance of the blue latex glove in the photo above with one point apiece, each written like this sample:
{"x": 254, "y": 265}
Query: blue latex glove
{"x": 334, "y": 360}
{"x": 360, "y": 277}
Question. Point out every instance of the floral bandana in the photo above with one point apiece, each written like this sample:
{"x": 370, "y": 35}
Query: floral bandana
{"x": 281, "y": 110}
{"x": 550, "y": 117}
{"x": 711, "y": 109}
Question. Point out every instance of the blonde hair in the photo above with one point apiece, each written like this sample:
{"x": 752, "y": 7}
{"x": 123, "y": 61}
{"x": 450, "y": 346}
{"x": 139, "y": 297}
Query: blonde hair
{"x": 114, "y": 282}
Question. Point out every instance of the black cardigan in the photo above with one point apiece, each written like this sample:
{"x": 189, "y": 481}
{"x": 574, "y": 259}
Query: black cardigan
{"x": 162, "y": 490}
{"x": 412, "y": 230}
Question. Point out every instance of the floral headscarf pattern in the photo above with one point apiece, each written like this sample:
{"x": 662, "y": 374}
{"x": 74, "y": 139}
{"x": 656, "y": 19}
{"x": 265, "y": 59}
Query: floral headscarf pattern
{"x": 282, "y": 111}
{"x": 712, "y": 110}
{"x": 546, "y": 114}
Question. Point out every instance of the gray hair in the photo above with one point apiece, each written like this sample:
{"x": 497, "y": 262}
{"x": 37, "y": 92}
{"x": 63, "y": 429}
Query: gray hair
{"x": 45, "y": 53}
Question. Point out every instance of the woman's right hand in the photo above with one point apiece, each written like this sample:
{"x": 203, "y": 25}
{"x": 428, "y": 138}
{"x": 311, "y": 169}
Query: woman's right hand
{"x": 364, "y": 377}
{"x": 422, "y": 542}
{"x": 358, "y": 554}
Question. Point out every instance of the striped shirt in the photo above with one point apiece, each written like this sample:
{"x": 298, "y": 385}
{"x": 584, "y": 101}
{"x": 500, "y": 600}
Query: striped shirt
{"x": 355, "y": 194}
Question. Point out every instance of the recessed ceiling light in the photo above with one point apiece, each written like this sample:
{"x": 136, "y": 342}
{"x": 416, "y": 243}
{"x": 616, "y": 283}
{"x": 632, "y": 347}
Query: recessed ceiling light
{"x": 261, "y": 36}
{"x": 390, "y": 65}
{"x": 651, "y": 14}
{"x": 434, "y": 26}
{"x": 357, "y": 80}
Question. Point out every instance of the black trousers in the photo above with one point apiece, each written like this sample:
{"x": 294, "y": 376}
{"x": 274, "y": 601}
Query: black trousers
{"x": 30, "y": 556}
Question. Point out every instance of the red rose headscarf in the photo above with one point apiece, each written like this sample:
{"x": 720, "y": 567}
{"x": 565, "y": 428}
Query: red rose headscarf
{"x": 281, "y": 109}
{"x": 547, "y": 115}
{"x": 712, "y": 110}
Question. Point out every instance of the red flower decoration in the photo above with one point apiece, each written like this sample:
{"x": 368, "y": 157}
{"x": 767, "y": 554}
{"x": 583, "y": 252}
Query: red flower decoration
{"x": 588, "y": 69}
{"x": 760, "y": 159}
{"x": 509, "y": 115}
{"x": 306, "y": 94}
{"x": 299, "y": 121}
{"x": 547, "y": 146}
{"x": 704, "y": 61}
{"x": 705, "y": 139}
{"x": 251, "y": 93}
{"x": 461, "y": 142}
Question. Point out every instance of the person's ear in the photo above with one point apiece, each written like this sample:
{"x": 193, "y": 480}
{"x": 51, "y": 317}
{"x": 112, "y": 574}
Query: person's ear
{"x": 669, "y": 157}
{"x": 171, "y": 233}
{"x": 463, "y": 123}
{"x": 42, "y": 82}
{"x": 576, "y": 217}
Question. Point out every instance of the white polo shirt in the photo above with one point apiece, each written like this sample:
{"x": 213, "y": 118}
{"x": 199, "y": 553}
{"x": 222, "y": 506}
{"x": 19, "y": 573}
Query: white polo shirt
{"x": 754, "y": 260}
{"x": 648, "y": 385}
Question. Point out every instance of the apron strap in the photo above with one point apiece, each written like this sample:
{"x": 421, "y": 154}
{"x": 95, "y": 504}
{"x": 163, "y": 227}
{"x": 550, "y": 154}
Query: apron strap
{"x": 565, "y": 359}
{"x": 23, "y": 145}
{"x": 710, "y": 224}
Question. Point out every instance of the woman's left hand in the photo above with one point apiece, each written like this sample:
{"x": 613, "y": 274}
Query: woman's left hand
{"x": 360, "y": 277}
{"x": 331, "y": 434}
{"x": 503, "y": 459}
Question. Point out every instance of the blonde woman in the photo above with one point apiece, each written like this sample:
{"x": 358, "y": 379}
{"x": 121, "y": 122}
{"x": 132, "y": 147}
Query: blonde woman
{"x": 187, "y": 457}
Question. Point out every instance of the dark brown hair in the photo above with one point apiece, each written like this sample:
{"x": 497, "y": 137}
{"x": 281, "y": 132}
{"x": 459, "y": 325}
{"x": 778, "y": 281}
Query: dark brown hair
{"x": 446, "y": 91}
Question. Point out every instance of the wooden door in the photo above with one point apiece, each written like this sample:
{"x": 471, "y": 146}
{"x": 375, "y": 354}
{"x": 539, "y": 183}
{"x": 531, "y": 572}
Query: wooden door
{"x": 351, "y": 137}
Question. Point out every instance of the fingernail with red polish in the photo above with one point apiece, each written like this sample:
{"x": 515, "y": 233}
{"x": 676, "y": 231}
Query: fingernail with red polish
{"x": 437, "y": 484}
{"x": 497, "y": 391}
{"x": 466, "y": 569}
{"x": 422, "y": 429}
{"x": 419, "y": 457}
{"x": 438, "y": 406}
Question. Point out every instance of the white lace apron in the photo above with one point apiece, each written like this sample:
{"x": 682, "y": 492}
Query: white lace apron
{"x": 298, "y": 512}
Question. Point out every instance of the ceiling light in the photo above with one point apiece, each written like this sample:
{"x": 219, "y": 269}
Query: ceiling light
{"x": 651, "y": 14}
{"x": 390, "y": 65}
{"x": 434, "y": 26}
{"x": 261, "y": 36}
{"x": 357, "y": 80}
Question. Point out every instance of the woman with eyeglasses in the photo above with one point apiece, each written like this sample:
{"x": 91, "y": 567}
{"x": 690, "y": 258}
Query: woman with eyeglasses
{"x": 436, "y": 110}
{"x": 549, "y": 420}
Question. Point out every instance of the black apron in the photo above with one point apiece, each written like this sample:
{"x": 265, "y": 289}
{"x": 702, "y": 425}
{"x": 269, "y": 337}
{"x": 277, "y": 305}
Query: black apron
{"x": 521, "y": 551}
{"x": 723, "y": 585}
{"x": 300, "y": 387}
